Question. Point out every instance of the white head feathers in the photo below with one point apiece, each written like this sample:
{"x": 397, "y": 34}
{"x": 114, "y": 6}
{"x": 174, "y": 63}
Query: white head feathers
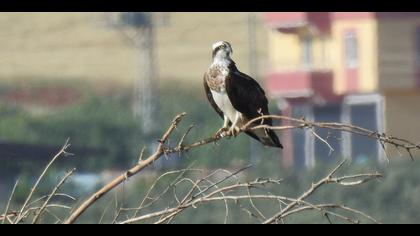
{"x": 217, "y": 44}
{"x": 222, "y": 50}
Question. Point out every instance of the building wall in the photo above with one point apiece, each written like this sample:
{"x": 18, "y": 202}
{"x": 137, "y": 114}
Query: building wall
{"x": 329, "y": 53}
{"x": 402, "y": 116}
{"x": 398, "y": 76}
{"x": 387, "y": 66}
{"x": 286, "y": 51}
{"x": 367, "y": 74}
{"x": 83, "y": 46}
{"x": 386, "y": 51}
{"x": 397, "y": 52}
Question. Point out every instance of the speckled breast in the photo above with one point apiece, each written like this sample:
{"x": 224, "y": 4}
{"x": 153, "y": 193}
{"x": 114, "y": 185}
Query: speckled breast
{"x": 215, "y": 78}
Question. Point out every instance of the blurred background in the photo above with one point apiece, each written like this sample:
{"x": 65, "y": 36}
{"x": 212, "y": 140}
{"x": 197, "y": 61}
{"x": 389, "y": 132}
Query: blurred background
{"x": 112, "y": 82}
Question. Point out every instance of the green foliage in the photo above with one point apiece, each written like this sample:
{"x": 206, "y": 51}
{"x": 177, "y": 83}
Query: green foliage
{"x": 107, "y": 124}
{"x": 96, "y": 123}
{"x": 14, "y": 125}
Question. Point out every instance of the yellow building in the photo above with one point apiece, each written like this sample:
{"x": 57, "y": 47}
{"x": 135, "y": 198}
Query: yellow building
{"x": 354, "y": 67}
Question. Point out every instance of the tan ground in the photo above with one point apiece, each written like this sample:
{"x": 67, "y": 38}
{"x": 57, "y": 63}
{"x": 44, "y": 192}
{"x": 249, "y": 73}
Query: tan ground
{"x": 80, "y": 46}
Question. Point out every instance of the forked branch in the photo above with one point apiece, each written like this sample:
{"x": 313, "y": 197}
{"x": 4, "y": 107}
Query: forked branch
{"x": 181, "y": 146}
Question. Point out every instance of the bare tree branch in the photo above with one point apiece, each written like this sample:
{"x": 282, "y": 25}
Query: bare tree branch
{"x": 208, "y": 189}
{"x": 139, "y": 167}
{"x": 328, "y": 179}
{"x": 302, "y": 123}
{"x": 293, "y": 206}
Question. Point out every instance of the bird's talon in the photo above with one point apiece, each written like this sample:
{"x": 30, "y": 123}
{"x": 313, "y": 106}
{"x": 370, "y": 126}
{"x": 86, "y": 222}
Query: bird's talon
{"x": 221, "y": 132}
{"x": 232, "y": 133}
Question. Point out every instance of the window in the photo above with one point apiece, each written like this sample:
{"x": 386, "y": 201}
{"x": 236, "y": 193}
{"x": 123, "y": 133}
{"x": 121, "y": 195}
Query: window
{"x": 307, "y": 51}
{"x": 366, "y": 111}
{"x": 364, "y": 148}
{"x": 351, "y": 49}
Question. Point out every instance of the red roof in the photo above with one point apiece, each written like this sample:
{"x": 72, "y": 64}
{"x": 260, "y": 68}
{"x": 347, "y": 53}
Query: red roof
{"x": 47, "y": 96}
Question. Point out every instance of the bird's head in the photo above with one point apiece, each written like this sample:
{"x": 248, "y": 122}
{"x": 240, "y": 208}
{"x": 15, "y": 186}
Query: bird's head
{"x": 222, "y": 50}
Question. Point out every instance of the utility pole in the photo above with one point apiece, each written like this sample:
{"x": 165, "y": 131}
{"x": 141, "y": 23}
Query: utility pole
{"x": 140, "y": 29}
{"x": 146, "y": 98}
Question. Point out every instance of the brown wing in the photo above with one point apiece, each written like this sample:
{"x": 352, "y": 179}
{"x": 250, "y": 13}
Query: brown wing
{"x": 209, "y": 96}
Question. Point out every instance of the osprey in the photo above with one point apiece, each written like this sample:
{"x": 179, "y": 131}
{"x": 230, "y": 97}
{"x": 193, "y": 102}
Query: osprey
{"x": 236, "y": 97}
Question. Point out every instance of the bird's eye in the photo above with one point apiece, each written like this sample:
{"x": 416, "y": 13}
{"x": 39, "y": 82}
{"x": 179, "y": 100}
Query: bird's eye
{"x": 222, "y": 46}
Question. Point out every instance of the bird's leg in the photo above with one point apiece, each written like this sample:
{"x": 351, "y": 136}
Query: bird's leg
{"x": 225, "y": 127}
{"x": 234, "y": 130}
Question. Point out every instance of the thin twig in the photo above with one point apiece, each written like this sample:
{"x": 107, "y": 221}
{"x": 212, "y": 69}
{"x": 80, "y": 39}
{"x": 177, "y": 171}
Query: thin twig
{"x": 225, "y": 178}
{"x": 182, "y": 172}
{"x": 60, "y": 153}
{"x": 47, "y": 196}
{"x": 331, "y": 149}
{"x": 328, "y": 179}
{"x": 57, "y": 187}
{"x": 302, "y": 123}
{"x": 9, "y": 201}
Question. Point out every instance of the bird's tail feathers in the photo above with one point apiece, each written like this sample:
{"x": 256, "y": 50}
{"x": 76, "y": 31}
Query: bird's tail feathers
{"x": 269, "y": 138}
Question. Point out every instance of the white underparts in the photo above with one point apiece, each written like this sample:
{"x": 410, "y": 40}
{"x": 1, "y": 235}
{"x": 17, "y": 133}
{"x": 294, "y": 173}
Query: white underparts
{"x": 223, "y": 102}
{"x": 235, "y": 121}
{"x": 226, "y": 121}
{"x": 235, "y": 117}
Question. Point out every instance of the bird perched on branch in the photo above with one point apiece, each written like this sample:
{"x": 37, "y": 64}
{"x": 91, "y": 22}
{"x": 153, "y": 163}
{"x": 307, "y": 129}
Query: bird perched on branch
{"x": 237, "y": 97}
